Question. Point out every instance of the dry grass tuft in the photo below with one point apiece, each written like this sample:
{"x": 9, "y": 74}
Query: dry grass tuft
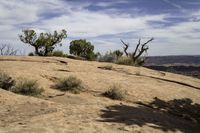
{"x": 115, "y": 92}
{"x": 71, "y": 84}
{"x": 27, "y": 87}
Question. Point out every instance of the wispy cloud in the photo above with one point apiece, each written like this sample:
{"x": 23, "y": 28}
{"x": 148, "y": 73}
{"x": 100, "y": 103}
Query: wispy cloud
{"x": 174, "y": 4}
{"x": 104, "y": 27}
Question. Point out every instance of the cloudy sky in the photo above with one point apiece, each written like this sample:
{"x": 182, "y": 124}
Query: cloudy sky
{"x": 175, "y": 24}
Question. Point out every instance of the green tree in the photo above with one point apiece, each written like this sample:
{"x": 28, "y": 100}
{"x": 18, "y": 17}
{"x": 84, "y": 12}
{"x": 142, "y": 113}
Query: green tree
{"x": 82, "y": 48}
{"x": 45, "y": 42}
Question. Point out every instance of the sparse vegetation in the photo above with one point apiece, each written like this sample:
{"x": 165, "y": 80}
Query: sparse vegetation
{"x": 6, "y": 49}
{"x": 115, "y": 92}
{"x": 71, "y": 84}
{"x": 6, "y": 82}
{"x": 125, "y": 61}
{"x": 108, "y": 57}
{"x": 118, "y": 53}
{"x": 58, "y": 53}
{"x": 27, "y": 87}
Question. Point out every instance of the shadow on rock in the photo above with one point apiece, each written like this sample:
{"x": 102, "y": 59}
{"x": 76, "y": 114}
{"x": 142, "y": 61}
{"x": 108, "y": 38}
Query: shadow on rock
{"x": 175, "y": 115}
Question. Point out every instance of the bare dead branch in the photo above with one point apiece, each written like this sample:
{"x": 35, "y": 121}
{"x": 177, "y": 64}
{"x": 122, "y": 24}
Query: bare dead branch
{"x": 136, "y": 49}
{"x": 125, "y": 47}
{"x": 138, "y": 52}
{"x": 143, "y": 49}
{"x": 6, "y": 49}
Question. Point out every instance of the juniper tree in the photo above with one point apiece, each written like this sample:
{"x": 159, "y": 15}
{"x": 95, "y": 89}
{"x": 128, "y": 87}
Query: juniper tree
{"x": 45, "y": 42}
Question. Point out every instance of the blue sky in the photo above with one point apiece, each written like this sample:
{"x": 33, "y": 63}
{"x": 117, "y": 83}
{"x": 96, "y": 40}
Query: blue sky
{"x": 175, "y": 24}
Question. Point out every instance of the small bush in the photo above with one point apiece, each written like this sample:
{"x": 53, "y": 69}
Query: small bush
{"x": 27, "y": 87}
{"x": 118, "y": 53}
{"x": 6, "y": 82}
{"x": 108, "y": 57}
{"x": 139, "y": 62}
{"x": 31, "y": 54}
{"x": 125, "y": 61}
{"x": 91, "y": 56}
{"x": 71, "y": 84}
{"x": 115, "y": 93}
{"x": 58, "y": 53}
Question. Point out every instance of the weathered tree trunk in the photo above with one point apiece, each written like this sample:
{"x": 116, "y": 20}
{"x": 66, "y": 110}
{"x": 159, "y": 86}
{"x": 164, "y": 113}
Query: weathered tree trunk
{"x": 36, "y": 50}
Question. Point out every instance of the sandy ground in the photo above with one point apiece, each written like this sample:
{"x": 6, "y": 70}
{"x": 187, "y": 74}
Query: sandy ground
{"x": 89, "y": 112}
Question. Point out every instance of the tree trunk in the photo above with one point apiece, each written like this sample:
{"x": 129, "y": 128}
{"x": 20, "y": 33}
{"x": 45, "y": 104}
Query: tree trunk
{"x": 36, "y": 50}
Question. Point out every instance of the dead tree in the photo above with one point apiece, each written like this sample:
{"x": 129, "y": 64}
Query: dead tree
{"x": 138, "y": 52}
{"x": 125, "y": 47}
{"x": 7, "y": 50}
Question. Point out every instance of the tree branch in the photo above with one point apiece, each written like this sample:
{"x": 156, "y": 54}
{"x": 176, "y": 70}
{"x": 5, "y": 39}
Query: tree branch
{"x": 125, "y": 48}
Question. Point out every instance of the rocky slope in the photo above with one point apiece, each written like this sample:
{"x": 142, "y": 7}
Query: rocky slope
{"x": 155, "y": 101}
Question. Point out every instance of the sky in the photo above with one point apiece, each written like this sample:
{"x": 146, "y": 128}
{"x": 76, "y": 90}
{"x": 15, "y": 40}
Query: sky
{"x": 175, "y": 24}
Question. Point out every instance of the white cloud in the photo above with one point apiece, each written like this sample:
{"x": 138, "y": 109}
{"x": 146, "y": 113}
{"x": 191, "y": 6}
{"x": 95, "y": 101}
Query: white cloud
{"x": 88, "y": 24}
{"x": 17, "y": 12}
{"x": 81, "y": 23}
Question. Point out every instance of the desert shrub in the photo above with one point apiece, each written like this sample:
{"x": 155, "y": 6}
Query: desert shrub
{"x": 6, "y": 82}
{"x": 58, "y": 53}
{"x": 115, "y": 92}
{"x": 139, "y": 62}
{"x": 125, "y": 61}
{"x": 108, "y": 57}
{"x": 106, "y": 67}
{"x": 82, "y": 48}
{"x": 31, "y": 54}
{"x": 118, "y": 53}
{"x": 27, "y": 87}
{"x": 71, "y": 84}
{"x": 91, "y": 56}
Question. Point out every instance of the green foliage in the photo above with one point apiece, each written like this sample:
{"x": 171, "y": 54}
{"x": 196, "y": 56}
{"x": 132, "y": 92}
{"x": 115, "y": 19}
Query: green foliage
{"x": 114, "y": 92}
{"x": 6, "y": 82}
{"x": 82, "y": 48}
{"x": 45, "y": 42}
{"x": 91, "y": 56}
{"x": 71, "y": 84}
{"x": 27, "y": 87}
